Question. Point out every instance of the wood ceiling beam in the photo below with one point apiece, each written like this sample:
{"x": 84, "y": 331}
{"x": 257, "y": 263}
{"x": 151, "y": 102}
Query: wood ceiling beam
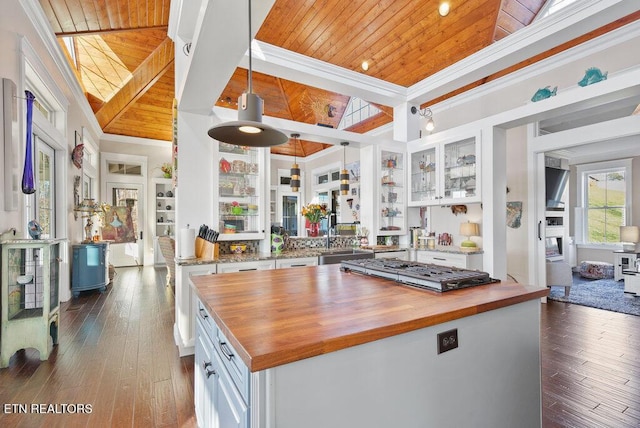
{"x": 143, "y": 78}
{"x": 109, "y": 31}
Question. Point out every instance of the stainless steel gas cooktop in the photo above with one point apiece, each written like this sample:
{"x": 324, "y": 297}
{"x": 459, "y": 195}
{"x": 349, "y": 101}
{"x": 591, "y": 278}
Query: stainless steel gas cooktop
{"x": 419, "y": 275}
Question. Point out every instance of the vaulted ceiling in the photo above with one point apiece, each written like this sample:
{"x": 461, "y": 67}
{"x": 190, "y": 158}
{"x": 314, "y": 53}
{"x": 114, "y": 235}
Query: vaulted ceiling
{"x": 125, "y": 62}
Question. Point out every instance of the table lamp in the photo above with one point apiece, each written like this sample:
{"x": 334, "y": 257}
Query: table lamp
{"x": 630, "y": 236}
{"x": 469, "y": 229}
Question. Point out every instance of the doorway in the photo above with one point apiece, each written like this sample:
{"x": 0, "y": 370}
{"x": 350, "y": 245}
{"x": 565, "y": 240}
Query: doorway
{"x": 126, "y": 225}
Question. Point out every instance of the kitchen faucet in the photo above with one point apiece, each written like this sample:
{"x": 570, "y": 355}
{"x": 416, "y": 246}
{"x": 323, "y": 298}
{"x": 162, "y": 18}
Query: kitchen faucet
{"x": 328, "y": 237}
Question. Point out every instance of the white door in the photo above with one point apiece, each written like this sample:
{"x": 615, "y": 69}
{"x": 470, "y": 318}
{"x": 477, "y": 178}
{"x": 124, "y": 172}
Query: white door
{"x": 128, "y": 199}
{"x": 539, "y": 259}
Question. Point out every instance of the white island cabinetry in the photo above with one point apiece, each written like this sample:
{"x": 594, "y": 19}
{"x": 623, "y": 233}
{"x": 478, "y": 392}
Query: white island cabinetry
{"x": 221, "y": 379}
{"x": 312, "y": 348}
{"x": 415, "y": 393}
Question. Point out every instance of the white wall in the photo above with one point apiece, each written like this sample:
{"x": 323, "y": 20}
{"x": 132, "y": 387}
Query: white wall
{"x": 517, "y": 177}
{"x": 15, "y": 24}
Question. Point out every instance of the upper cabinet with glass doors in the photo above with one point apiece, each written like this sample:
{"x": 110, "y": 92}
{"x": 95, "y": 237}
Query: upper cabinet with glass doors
{"x": 240, "y": 206}
{"x": 392, "y": 193}
{"x": 446, "y": 173}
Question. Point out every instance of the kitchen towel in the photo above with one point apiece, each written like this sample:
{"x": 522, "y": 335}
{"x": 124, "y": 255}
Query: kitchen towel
{"x": 187, "y": 244}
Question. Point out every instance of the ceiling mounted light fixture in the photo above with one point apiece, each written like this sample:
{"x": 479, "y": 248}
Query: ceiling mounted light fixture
{"x": 444, "y": 8}
{"x": 248, "y": 130}
{"x": 295, "y": 168}
{"x": 426, "y": 113}
{"x": 365, "y": 65}
{"x": 344, "y": 174}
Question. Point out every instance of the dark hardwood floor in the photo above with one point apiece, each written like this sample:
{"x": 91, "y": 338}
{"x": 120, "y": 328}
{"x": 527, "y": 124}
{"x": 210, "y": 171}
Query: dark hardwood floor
{"x": 590, "y": 367}
{"x": 117, "y": 354}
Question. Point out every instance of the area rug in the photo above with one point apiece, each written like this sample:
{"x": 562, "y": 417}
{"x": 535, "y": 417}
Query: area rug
{"x": 598, "y": 293}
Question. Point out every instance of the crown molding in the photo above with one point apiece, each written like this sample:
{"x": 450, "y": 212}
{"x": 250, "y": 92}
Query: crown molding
{"x": 125, "y": 139}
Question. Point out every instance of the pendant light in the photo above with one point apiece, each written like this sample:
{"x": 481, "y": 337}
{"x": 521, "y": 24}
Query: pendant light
{"x": 248, "y": 130}
{"x": 295, "y": 168}
{"x": 344, "y": 174}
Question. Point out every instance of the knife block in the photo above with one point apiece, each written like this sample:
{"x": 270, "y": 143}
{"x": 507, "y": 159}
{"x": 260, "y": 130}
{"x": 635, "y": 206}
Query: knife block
{"x": 207, "y": 250}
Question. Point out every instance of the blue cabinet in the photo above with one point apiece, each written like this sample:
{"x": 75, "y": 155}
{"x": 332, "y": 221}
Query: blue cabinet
{"x": 89, "y": 269}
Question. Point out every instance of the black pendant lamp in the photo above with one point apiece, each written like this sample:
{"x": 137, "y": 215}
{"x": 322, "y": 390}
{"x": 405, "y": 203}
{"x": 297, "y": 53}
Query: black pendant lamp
{"x": 248, "y": 130}
{"x": 295, "y": 168}
{"x": 344, "y": 174}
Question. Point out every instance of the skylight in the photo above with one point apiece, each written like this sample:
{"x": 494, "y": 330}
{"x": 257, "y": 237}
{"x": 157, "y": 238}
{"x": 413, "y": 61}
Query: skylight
{"x": 357, "y": 111}
{"x": 552, "y": 6}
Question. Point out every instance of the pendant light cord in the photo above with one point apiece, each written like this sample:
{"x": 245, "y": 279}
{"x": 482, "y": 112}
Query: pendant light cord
{"x": 344, "y": 156}
{"x": 250, "y": 55}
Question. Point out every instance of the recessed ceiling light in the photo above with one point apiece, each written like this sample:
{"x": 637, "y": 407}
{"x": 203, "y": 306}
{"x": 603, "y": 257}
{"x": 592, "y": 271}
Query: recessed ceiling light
{"x": 443, "y": 9}
{"x": 365, "y": 65}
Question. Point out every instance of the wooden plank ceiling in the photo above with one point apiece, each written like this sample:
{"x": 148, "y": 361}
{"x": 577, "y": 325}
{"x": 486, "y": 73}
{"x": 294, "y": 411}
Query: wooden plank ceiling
{"x": 125, "y": 61}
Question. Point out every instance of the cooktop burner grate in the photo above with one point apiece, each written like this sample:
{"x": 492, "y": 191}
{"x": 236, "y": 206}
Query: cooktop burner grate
{"x": 421, "y": 275}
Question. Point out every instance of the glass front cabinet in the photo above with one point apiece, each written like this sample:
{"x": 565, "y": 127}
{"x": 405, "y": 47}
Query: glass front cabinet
{"x": 391, "y": 213}
{"x": 240, "y": 199}
{"x": 446, "y": 173}
{"x": 30, "y": 299}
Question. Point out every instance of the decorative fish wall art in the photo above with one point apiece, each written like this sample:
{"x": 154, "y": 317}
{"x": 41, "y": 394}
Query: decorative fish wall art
{"x": 593, "y": 75}
{"x": 544, "y": 93}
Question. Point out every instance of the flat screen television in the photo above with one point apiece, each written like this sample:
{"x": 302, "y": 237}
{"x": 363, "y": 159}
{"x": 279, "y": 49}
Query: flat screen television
{"x": 555, "y": 183}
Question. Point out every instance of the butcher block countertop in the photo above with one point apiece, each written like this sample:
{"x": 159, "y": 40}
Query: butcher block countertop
{"x": 275, "y": 317}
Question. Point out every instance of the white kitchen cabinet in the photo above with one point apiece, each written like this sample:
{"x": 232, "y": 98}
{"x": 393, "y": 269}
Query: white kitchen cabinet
{"x": 203, "y": 370}
{"x": 220, "y": 400}
{"x": 240, "y": 192}
{"x": 246, "y": 266}
{"x": 400, "y": 254}
{"x": 391, "y": 198}
{"x": 443, "y": 258}
{"x": 298, "y": 394}
{"x": 297, "y": 262}
{"x": 184, "y": 329}
{"x": 446, "y": 172}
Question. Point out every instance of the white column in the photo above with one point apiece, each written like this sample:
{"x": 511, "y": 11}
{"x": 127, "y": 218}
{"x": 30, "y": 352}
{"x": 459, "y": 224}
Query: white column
{"x": 494, "y": 201}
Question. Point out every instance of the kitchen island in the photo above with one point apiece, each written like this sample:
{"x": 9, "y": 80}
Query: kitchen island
{"x": 318, "y": 347}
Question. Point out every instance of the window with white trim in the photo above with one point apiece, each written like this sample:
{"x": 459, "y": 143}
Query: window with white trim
{"x": 605, "y": 198}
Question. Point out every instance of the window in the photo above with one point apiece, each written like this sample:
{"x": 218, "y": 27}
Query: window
{"x": 45, "y": 203}
{"x": 124, "y": 169}
{"x": 553, "y": 6}
{"x": 357, "y": 111}
{"x": 605, "y": 200}
{"x": 327, "y": 177}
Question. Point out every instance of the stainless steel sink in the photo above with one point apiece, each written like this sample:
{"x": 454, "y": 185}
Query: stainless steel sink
{"x": 336, "y": 256}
